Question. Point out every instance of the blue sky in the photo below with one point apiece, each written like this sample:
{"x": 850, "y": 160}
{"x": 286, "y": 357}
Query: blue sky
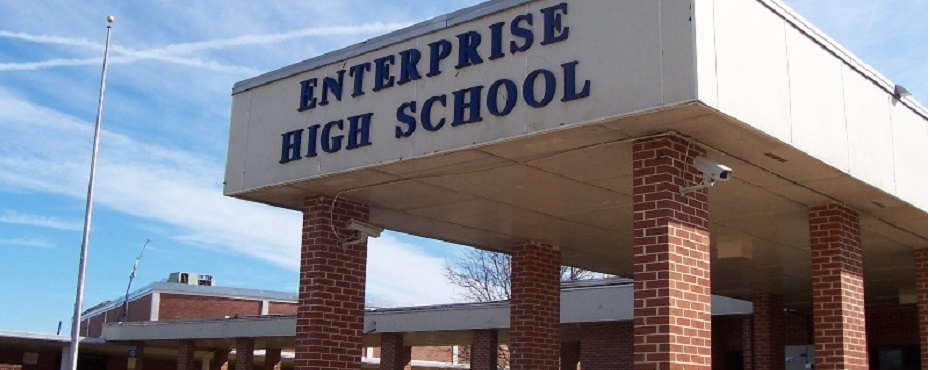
{"x": 166, "y": 117}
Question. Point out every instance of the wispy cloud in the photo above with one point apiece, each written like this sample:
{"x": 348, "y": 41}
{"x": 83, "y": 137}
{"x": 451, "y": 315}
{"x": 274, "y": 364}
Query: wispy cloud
{"x": 362, "y": 29}
{"x": 16, "y": 218}
{"x": 179, "y": 188}
{"x": 181, "y": 53}
{"x": 49, "y": 39}
{"x": 390, "y": 282}
{"x": 27, "y": 242}
{"x": 50, "y": 63}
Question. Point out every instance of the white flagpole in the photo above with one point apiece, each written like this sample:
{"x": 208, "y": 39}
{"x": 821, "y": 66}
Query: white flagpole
{"x": 88, "y": 208}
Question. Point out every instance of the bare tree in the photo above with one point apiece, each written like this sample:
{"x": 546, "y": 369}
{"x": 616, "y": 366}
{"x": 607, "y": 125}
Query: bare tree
{"x": 481, "y": 275}
{"x": 484, "y": 276}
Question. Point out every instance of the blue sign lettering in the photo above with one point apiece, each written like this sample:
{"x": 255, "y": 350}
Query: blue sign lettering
{"x": 539, "y": 87}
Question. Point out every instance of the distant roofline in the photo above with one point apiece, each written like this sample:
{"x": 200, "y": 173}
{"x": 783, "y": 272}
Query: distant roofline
{"x": 260, "y": 294}
{"x": 177, "y": 288}
{"x": 490, "y": 7}
{"x": 17, "y": 335}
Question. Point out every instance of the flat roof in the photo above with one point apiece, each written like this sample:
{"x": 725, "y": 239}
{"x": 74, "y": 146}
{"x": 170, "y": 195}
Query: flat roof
{"x": 185, "y": 289}
{"x": 605, "y": 301}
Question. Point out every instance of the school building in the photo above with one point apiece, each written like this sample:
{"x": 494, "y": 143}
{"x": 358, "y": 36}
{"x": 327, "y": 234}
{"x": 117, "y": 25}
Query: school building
{"x": 696, "y": 147}
{"x": 709, "y": 151}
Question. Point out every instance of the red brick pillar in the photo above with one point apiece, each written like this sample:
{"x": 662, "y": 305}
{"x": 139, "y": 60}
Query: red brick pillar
{"x": 220, "y": 359}
{"x": 920, "y": 270}
{"x": 768, "y": 321}
{"x": 570, "y": 355}
{"x": 535, "y": 271}
{"x": 836, "y": 274}
{"x": 186, "y": 355}
{"x": 671, "y": 257}
{"x": 484, "y": 347}
{"x": 747, "y": 343}
{"x": 607, "y": 346}
{"x": 272, "y": 359}
{"x": 136, "y": 356}
{"x": 394, "y": 354}
{"x": 331, "y": 304}
{"x": 245, "y": 353}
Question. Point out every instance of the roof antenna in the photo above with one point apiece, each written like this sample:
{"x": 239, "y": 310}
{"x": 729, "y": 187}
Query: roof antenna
{"x": 132, "y": 275}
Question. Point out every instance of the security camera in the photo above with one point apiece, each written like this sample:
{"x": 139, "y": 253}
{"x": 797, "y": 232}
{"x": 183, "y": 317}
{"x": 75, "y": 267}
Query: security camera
{"x": 712, "y": 169}
{"x": 712, "y": 172}
{"x": 364, "y": 231}
{"x": 365, "y": 228}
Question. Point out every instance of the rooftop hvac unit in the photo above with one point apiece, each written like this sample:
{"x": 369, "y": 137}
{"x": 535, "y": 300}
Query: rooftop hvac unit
{"x": 205, "y": 280}
{"x": 188, "y": 278}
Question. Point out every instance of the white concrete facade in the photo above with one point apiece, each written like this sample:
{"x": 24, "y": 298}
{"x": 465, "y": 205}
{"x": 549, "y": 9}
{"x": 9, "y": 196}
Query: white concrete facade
{"x": 801, "y": 121}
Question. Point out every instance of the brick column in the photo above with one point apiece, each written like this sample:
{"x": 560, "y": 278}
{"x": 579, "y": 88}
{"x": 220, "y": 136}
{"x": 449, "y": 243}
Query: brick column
{"x": 272, "y": 359}
{"x": 137, "y": 362}
{"x": 394, "y": 354}
{"x": 570, "y": 355}
{"x": 920, "y": 270}
{"x": 331, "y": 305}
{"x": 671, "y": 257}
{"x": 484, "y": 347}
{"x": 220, "y": 359}
{"x": 186, "y": 355}
{"x": 768, "y": 321}
{"x": 836, "y": 274}
{"x": 534, "y": 306}
{"x": 747, "y": 343}
{"x": 245, "y": 353}
{"x": 607, "y": 346}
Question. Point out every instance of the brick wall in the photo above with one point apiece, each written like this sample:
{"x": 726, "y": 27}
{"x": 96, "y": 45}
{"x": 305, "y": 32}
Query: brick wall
{"x": 185, "y": 360}
{"x": 433, "y": 353}
{"x": 272, "y": 359}
{"x": 140, "y": 309}
{"x": 181, "y": 306}
{"x": 220, "y": 360}
{"x": 160, "y": 364}
{"x": 836, "y": 274}
{"x": 282, "y": 308}
{"x": 768, "y": 322}
{"x": 671, "y": 257}
{"x": 727, "y": 332}
{"x": 892, "y": 326}
{"x": 94, "y": 327}
{"x": 394, "y": 354}
{"x": 799, "y": 329}
{"x": 332, "y": 287}
{"x": 534, "y": 306}
{"x": 920, "y": 272}
{"x": 12, "y": 359}
{"x": 177, "y": 306}
{"x": 607, "y": 346}
{"x": 245, "y": 350}
{"x": 484, "y": 350}
{"x": 570, "y": 357}
{"x": 747, "y": 338}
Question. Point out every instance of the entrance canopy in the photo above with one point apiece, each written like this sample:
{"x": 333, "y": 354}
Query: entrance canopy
{"x": 513, "y": 120}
